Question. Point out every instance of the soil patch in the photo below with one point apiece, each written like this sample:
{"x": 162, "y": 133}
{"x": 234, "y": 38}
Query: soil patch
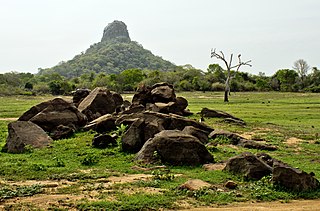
{"x": 293, "y": 141}
{"x": 297, "y": 205}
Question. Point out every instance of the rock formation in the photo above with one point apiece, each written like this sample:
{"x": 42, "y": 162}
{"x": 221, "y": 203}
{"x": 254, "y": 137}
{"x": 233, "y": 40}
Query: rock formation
{"x": 117, "y": 30}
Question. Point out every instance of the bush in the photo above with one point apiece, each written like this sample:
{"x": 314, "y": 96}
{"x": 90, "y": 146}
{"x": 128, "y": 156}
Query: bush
{"x": 218, "y": 86}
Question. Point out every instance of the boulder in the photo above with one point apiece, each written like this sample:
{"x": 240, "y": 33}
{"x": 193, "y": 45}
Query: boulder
{"x": 176, "y": 148}
{"x": 195, "y": 185}
{"x": 49, "y": 115}
{"x": 231, "y": 184}
{"x": 79, "y": 95}
{"x": 163, "y": 92}
{"x": 103, "y": 141}
{"x": 98, "y": 103}
{"x": 133, "y": 139}
{"x": 181, "y": 103}
{"x": 62, "y": 132}
{"x": 24, "y": 133}
{"x": 161, "y": 98}
{"x": 206, "y": 112}
{"x": 168, "y": 121}
{"x": 200, "y": 134}
{"x": 102, "y": 124}
{"x": 248, "y": 165}
{"x": 118, "y": 100}
{"x": 293, "y": 179}
{"x": 235, "y": 139}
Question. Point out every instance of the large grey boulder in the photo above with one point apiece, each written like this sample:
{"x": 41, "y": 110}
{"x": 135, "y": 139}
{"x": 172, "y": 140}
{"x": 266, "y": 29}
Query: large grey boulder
{"x": 248, "y": 166}
{"x": 167, "y": 121}
{"x": 293, "y": 178}
{"x": 105, "y": 123}
{"x": 235, "y": 139}
{"x": 133, "y": 139}
{"x": 51, "y": 114}
{"x": 24, "y": 133}
{"x": 79, "y": 95}
{"x": 98, "y": 103}
{"x": 176, "y": 148}
{"x": 163, "y": 92}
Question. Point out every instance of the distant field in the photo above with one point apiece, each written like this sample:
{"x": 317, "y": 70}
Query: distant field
{"x": 290, "y": 121}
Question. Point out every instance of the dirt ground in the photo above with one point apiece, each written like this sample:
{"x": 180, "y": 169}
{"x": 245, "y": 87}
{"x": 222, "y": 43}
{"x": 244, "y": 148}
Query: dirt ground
{"x": 52, "y": 198}
{"x": 298, "y": 205}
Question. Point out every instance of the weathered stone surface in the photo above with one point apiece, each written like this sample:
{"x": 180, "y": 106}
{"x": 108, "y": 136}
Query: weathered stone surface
{"x": 195, "y": 185}
{"x": 248, "y": 165}
{"x": 103, "y": 141}
{"x": 181, "y": 103}
{"x": 231, "y": 184}
{"x": 79, "y": 95}
{"x": 163, "y": 93}
{"x": 151, "y": 129}
{"x": 249, "y": 144}
{"x": 235, "y": 139}
{"x": 24, "y": 133}
{"x": 102, "y": 124}
{"x": 176, "y": 148}
{"x": 133, "y": 139}
{"x": 34, "y": 110}
{"x": 293, "y": 179}
{"x": 118, "y": 100}
{"x": 99, "y": 102}
{"x": 62, "y": 131}
{"x": 234, "y": 121}
{"x": 200, "y": 134}
{"x": 206, "y": 112}
{"x": 49, "y": 115}
{"x": 168, "y": 121}
{"x": 161, "y": 98}
{"x": 117, "y": 30}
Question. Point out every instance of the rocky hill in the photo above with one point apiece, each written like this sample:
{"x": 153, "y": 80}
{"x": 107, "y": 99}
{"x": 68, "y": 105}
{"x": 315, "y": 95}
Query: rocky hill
{"x": 116, "y": 52}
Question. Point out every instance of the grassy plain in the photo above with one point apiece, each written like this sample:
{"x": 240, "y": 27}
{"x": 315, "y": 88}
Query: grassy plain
{"x": 82, "y": 175}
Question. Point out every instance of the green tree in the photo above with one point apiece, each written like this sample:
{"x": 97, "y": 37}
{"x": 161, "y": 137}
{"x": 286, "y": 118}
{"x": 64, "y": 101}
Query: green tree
{"x": 287, "y": 80}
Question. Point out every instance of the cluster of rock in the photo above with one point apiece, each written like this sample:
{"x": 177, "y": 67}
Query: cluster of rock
{"x": 156, "y": 130}
{"x": 260, "y": 165}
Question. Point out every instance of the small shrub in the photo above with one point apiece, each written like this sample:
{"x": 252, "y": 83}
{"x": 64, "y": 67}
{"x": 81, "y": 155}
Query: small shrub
{"x": 58, "y": 162}
{"x": 89, "y": 160}
{"x": 162, "y": 175}
{"x": 39, "y": 167}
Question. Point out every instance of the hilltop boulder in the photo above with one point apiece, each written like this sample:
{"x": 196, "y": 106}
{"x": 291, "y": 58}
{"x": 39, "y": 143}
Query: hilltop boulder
{"x": 117, "y": 30}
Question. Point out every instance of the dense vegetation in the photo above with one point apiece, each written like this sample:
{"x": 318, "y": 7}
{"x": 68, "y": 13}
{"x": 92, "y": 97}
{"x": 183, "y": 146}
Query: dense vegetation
{"x": 184, "y": 78}
{"x": 110, "y": 57}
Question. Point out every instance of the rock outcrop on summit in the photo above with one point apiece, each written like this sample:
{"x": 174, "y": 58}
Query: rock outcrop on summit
{"x": 117, "y": 30}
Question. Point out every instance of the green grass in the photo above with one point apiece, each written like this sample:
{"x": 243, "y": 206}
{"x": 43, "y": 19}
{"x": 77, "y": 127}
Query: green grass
{"x": 273, "y": 117}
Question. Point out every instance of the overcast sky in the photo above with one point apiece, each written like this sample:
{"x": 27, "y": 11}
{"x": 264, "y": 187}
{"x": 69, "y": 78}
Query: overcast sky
{"x": 272, "y": 33}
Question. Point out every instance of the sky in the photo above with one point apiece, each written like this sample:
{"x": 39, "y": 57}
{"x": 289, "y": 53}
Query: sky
{"x": 272, "y": 33}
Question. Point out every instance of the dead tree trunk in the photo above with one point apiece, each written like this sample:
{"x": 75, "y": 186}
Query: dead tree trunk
{"x": 229, "y": 67}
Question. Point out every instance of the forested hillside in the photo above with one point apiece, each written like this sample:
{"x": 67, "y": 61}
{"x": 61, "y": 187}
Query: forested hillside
{"x": 115, "y": 53}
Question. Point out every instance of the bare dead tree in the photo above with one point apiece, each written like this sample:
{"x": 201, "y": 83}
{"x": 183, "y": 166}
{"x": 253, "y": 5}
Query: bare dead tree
{"x": 220, "y": 55}
{"x": 302, "y": 68}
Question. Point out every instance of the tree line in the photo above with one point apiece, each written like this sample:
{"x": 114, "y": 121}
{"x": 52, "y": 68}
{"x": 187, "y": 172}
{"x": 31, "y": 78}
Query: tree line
{"x": 300, "y": 78}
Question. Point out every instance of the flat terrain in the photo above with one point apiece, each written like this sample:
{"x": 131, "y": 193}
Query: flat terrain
{"x": 71, "y": 175}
